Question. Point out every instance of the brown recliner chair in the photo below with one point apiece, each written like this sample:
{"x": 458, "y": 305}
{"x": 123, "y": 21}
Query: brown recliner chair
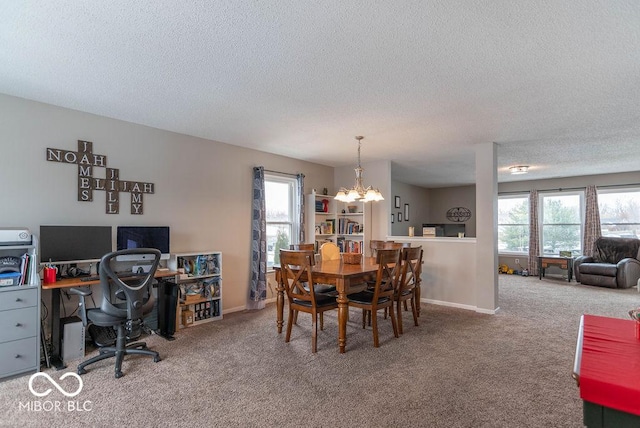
{"x": 615, "y": 263}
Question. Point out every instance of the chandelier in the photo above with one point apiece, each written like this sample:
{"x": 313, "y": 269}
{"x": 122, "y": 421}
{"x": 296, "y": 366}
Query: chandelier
{"x": 359, "y": 192}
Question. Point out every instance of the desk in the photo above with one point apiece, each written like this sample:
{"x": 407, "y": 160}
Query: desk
{"x": 55, "y": 288}
{"x": 565, "y": 263}
{"x": 344, "y": 276}
{"x": 607, "y": 371}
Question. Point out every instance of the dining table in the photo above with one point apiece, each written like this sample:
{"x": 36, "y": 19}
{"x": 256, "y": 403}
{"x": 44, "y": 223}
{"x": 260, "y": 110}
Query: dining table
{"x": 348, "y": 278}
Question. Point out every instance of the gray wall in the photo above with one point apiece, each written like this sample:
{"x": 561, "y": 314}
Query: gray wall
{"x": 202, "y": 187}
{"x": 444, "y": 198}
{"x": 419, "y": 200}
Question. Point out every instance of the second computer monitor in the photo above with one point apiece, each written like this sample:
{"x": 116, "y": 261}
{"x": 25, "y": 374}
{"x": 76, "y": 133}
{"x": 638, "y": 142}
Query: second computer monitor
{"x": 142, "y": 237}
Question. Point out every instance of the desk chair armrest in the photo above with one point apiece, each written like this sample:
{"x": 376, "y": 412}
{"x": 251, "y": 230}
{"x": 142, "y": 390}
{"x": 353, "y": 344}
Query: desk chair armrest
{"x": 82, "y": 292}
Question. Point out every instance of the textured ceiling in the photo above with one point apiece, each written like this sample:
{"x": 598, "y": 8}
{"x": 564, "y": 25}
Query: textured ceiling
{"x": 556, "y": 84}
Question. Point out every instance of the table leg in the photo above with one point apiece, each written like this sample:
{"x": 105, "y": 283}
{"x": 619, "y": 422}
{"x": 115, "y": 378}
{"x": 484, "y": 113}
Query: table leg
{"x": 279, "y": 301}
{"x": 343, "y": 314}
{"x": 540, "y": 268}
{"x": 56, "y": 361}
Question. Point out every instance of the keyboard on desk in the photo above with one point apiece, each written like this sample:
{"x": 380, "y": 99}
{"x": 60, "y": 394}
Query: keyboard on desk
{"x": 122, "y": 275}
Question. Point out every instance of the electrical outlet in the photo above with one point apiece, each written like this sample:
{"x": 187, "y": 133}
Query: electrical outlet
{"x": 517, "y": 261}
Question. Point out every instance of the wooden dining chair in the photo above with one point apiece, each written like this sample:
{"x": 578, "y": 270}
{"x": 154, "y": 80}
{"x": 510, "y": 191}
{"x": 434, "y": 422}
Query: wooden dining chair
{"x": 329, "y": 251}
{"x": 411, "y": 259}
{"x": 297, "y": 276}
{"x": 380, "y": 245}
{"x": 374, "y": 245}
{"x": 381, "y": 297}
{"x": 319, "y": 288}
{"x": 303, "y": 247}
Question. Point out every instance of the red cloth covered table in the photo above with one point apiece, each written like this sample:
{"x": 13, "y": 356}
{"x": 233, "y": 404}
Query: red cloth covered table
{"x": 610, "y": 363}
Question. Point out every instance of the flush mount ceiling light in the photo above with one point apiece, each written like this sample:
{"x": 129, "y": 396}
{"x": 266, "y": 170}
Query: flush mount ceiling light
{"x": 358, "y": 192}
{"x": 519, "y": 169}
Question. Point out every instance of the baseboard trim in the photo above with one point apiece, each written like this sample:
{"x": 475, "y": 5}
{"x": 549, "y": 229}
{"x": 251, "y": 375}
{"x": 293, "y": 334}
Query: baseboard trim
{"x": 461, "y": 306}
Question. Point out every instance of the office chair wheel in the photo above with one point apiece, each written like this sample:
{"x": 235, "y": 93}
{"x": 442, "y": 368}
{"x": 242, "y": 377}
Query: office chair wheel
{"x": 156, "y": 359}
{"x": 118, "y": 374}
{"x": 82, "y": 371}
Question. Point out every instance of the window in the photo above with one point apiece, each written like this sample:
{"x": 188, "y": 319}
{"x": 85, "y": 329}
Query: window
{"x": 283, "y": 214}
{"x": 620, "y": 212}
{"x": 561, "y": 215}
{"x": 513, "y": 223}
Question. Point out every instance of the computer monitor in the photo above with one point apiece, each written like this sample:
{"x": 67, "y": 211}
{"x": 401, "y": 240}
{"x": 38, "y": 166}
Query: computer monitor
{"x": 142, "y": 237}
{"x": 74, "y": 244}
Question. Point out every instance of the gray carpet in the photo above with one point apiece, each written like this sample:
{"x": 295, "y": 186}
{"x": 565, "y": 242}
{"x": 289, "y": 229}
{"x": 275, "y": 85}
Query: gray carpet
{"x": 457, "y": 369}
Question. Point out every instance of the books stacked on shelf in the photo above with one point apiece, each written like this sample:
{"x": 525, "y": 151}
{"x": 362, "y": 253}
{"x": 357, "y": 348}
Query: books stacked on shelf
{"x": 350, "y": 246}
{"x": 348, "y": 227}
{"x": 319, "y": 207}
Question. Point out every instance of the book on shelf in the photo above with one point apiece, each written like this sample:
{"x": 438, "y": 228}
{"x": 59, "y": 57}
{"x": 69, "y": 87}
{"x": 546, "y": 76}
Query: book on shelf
{"x": 348, "y": 227}
{"x": 349, "y": 245}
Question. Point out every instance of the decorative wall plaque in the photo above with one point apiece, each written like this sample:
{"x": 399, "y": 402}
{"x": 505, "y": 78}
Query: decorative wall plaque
{"x": 112, "y": 185}
{"x": 458, "y": 214}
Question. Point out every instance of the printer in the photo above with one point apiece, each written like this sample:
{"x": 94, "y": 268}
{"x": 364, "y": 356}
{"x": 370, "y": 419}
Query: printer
{"x": 15, "y": 236}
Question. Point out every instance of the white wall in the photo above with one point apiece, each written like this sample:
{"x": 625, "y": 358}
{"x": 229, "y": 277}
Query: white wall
{"x": 202, "y": 187}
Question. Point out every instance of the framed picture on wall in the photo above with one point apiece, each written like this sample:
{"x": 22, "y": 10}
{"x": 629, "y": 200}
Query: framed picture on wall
{"x": 392, "y": 216}
{"x": 399, "y": 216}
{"x": 406, "y": 212}
{"x": 397, "y": 202}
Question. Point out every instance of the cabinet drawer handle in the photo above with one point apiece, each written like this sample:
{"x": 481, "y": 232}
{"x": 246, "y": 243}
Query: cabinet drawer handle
{"x": 18, "y": 299}
{"x": 18, "y": 324}
{"x": 18, "y": 356}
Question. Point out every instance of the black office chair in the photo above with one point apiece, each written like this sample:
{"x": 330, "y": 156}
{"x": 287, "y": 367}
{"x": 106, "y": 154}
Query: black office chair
{"x": 125, "y": 317}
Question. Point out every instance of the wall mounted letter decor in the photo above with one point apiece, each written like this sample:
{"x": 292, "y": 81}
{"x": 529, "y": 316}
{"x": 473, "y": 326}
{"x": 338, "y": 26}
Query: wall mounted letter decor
{"x": 111, "y": 184}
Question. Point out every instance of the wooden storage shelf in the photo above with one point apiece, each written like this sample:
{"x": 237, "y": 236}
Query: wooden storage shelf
{"x": 206, "y": 304}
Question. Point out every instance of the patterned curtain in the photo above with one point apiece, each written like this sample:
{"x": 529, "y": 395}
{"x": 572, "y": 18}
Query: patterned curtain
{"x": 534, "y": 234}
{"x": 592, "y": 230}
{"x": 300, "y": 178}
{"x": 258, "y": 285}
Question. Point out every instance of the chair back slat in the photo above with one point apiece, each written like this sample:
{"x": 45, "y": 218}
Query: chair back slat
{"x": 410, "y": 269}
{"x": 388, "y": 261}
{"x": 302, "y": 247}
{"x": 296, "y": 273}
{"x": 329, "y": 251}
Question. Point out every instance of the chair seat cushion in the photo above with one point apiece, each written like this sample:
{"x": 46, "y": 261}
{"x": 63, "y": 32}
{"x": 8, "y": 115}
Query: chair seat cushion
{"x": 406, "y": 292}
{"x": 321, "y": 300}
{"x": 322, "y": 288}
{"x": 99, "y": 318}
{"x": 603, "y": 269}
{"x": 366, "y": 297}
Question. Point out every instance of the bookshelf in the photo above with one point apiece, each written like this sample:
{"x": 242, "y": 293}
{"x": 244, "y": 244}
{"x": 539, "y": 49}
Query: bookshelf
{"x": 331, "y": 220}
{"x": 199, "y": 279}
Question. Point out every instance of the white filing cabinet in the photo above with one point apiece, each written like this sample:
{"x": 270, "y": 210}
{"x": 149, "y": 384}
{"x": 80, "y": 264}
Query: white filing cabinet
{"x": 20, "y": 317}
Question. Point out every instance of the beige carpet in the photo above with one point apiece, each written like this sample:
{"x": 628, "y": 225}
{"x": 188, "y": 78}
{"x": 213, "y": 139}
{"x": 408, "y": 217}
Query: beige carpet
{"x": 457, "y": 369}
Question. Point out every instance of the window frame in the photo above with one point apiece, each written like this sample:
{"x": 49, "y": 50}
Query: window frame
{"x": 523, "y": 195}
{"x": 294, "y": 209}
{"x": 581, "y": 216}
{"x": 618, "y": 190}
